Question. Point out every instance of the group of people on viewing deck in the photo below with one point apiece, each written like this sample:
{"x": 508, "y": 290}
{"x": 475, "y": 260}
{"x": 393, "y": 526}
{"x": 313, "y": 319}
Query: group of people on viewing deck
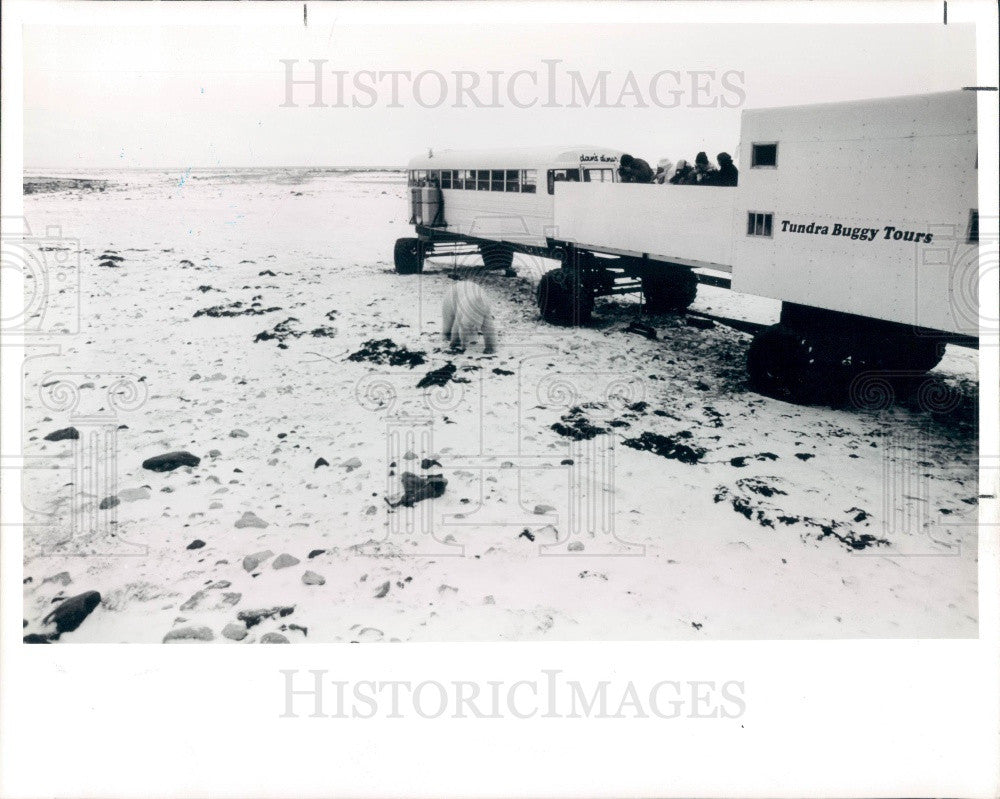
{"x": 703, "y": 173}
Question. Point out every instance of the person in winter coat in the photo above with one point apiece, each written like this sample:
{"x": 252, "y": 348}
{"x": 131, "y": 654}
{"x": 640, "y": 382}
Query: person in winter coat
{"x": 634, "y": 170}
{"x": 704, "y": 173}
{"x": 682, "y": 173}
{"x": 728, "y": 174}
{"x": 663, "y": 170}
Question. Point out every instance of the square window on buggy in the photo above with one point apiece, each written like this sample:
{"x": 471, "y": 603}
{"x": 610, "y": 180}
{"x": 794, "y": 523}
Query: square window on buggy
{"x": 759, "y": 224}
{"x": 764, "y": 155}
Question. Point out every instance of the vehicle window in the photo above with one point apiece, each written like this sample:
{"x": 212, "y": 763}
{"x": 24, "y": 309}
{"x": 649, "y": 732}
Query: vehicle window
{"x": 483, "y": 180}
{"x": 529, "y": 178}
{"x": 764, "y": 155}
{"x": 433, "y": 178}
{"x": 556, "y": 175}
{"x": 759, "y": 224}
{"x": 496, "y": 180}
{"x": 421, "y": 177}
{"x": 512, "y": 182}
{"x": 446, "y": 179}
{"x": 598, "y": 175}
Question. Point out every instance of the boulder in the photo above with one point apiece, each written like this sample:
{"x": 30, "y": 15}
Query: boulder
{"x": 234, "y": 631}
{"x": 251, "y": 562}
{"x": 67, "y": 433}
{"x": 249, "y": 519}
{"x": 189, "y": 634}
{"x": 273, "y": 638}
{"x": 312, "y": 578}
{"x": 284, "y": 560}
{"x": 170, "y": 461}
{"x": 72, "y": 612}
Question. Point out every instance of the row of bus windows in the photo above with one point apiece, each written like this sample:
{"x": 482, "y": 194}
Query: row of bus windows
{"x": 524, "y": 181}
{"x": 519, "y": 180}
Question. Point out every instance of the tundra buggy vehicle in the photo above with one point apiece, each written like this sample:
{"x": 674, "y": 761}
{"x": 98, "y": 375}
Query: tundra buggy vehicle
{"x": 860, "y": 217}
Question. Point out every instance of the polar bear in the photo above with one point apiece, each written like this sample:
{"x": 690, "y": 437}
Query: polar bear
{"x": 466, "y": 313}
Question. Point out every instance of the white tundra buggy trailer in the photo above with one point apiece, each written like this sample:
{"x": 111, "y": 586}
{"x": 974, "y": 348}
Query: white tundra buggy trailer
{"x": 854, "y": 215}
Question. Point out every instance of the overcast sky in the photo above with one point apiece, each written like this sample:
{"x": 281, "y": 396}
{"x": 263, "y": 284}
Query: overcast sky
{"x": 210, "y": 96}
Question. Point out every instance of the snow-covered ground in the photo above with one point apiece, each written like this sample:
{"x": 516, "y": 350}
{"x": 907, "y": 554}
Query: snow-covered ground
{"x": 744, "y": 517}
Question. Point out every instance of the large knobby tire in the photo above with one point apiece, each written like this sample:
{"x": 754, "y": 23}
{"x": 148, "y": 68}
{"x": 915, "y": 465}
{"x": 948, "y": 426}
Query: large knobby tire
{"x": 784, "y": 364}
{"x": 669, "y": 290}
{"x": 563, "y": 300}
{"x": 409, "y": 256}
{"x": 497, "y": 256}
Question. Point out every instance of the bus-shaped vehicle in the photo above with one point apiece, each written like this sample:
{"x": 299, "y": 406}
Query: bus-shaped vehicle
{"x": 501, "y": 201}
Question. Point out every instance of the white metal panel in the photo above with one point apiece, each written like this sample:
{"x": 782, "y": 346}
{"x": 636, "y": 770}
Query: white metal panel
{"x": 684, "y": 224}
{"x": 908, "y": 163}
{"x": 497, "y": 215}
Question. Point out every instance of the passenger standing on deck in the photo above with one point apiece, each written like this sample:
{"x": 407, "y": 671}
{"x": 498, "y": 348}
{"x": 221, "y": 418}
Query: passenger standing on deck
{"x": 681, "y": 174}
{"x": 704, "y": 173}
{"x": 634, "y": 170}
{"x": 728, "y": 173}
{"x": 663, "y": 168}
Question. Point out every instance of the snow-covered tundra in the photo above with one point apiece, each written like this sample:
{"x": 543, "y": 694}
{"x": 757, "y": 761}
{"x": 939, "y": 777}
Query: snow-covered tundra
{"x": 336, "y": 474}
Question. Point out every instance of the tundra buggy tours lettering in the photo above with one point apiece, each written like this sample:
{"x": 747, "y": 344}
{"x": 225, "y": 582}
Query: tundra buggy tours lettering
{"x": 857, "y": 233}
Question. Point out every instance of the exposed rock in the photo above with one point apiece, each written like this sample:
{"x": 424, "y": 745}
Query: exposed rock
{"x": 249, "y": 519}
{"x": 67, "y": 433}
{"x": 575, "y": 546}
{"x": 109, "y": 502}
{"x": 273, "y": 638}
{"x": 417, "y": 488}
{"x": 311, "y": 578}
{"x": 237, "y": 433}
{"x": 251, "y": 562}
{"x": 284, "y": 560}
{"x": 36, "y": 638}
{"x": 351, "y": 464}
{"x": 321, "y": 462}
{"x": 543, "y": 509}
{"x": 234, "y": 631}
{"x": 72, "y": 612}
{"x": 193, "y": 601}
{"x": 382, "y": 590}
{"x": 170, "y": 461}
{"x": 253, "y": 617}
{"x": 316, "y": 552}
{"x": 196, "y": 544}
{"x": 134, "y": 494}
{"x": 189, "y": 634}
{"x": 62, "y": 578}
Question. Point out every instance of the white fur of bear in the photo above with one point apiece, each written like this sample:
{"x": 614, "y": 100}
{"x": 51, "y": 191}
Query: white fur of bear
{"x": 466, "y": 314}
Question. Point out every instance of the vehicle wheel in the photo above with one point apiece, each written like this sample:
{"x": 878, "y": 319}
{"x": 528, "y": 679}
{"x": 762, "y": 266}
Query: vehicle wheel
{"x": 563, "y": 300}
{"x": 920, "y": 354}
{"x": 497, "y": 256}
{"x": 784, "y": 364}
{"x": 409, "y": 256}
{"x": 669, "y": 290}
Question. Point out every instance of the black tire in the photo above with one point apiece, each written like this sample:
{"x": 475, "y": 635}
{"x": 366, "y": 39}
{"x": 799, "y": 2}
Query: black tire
{"x": 563, "y": 300}
{"x": 784, "y": 364}
{"x": 408, "y": 256}
{"x": 497, "y": 256}
{"x": 669, "y": 290}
